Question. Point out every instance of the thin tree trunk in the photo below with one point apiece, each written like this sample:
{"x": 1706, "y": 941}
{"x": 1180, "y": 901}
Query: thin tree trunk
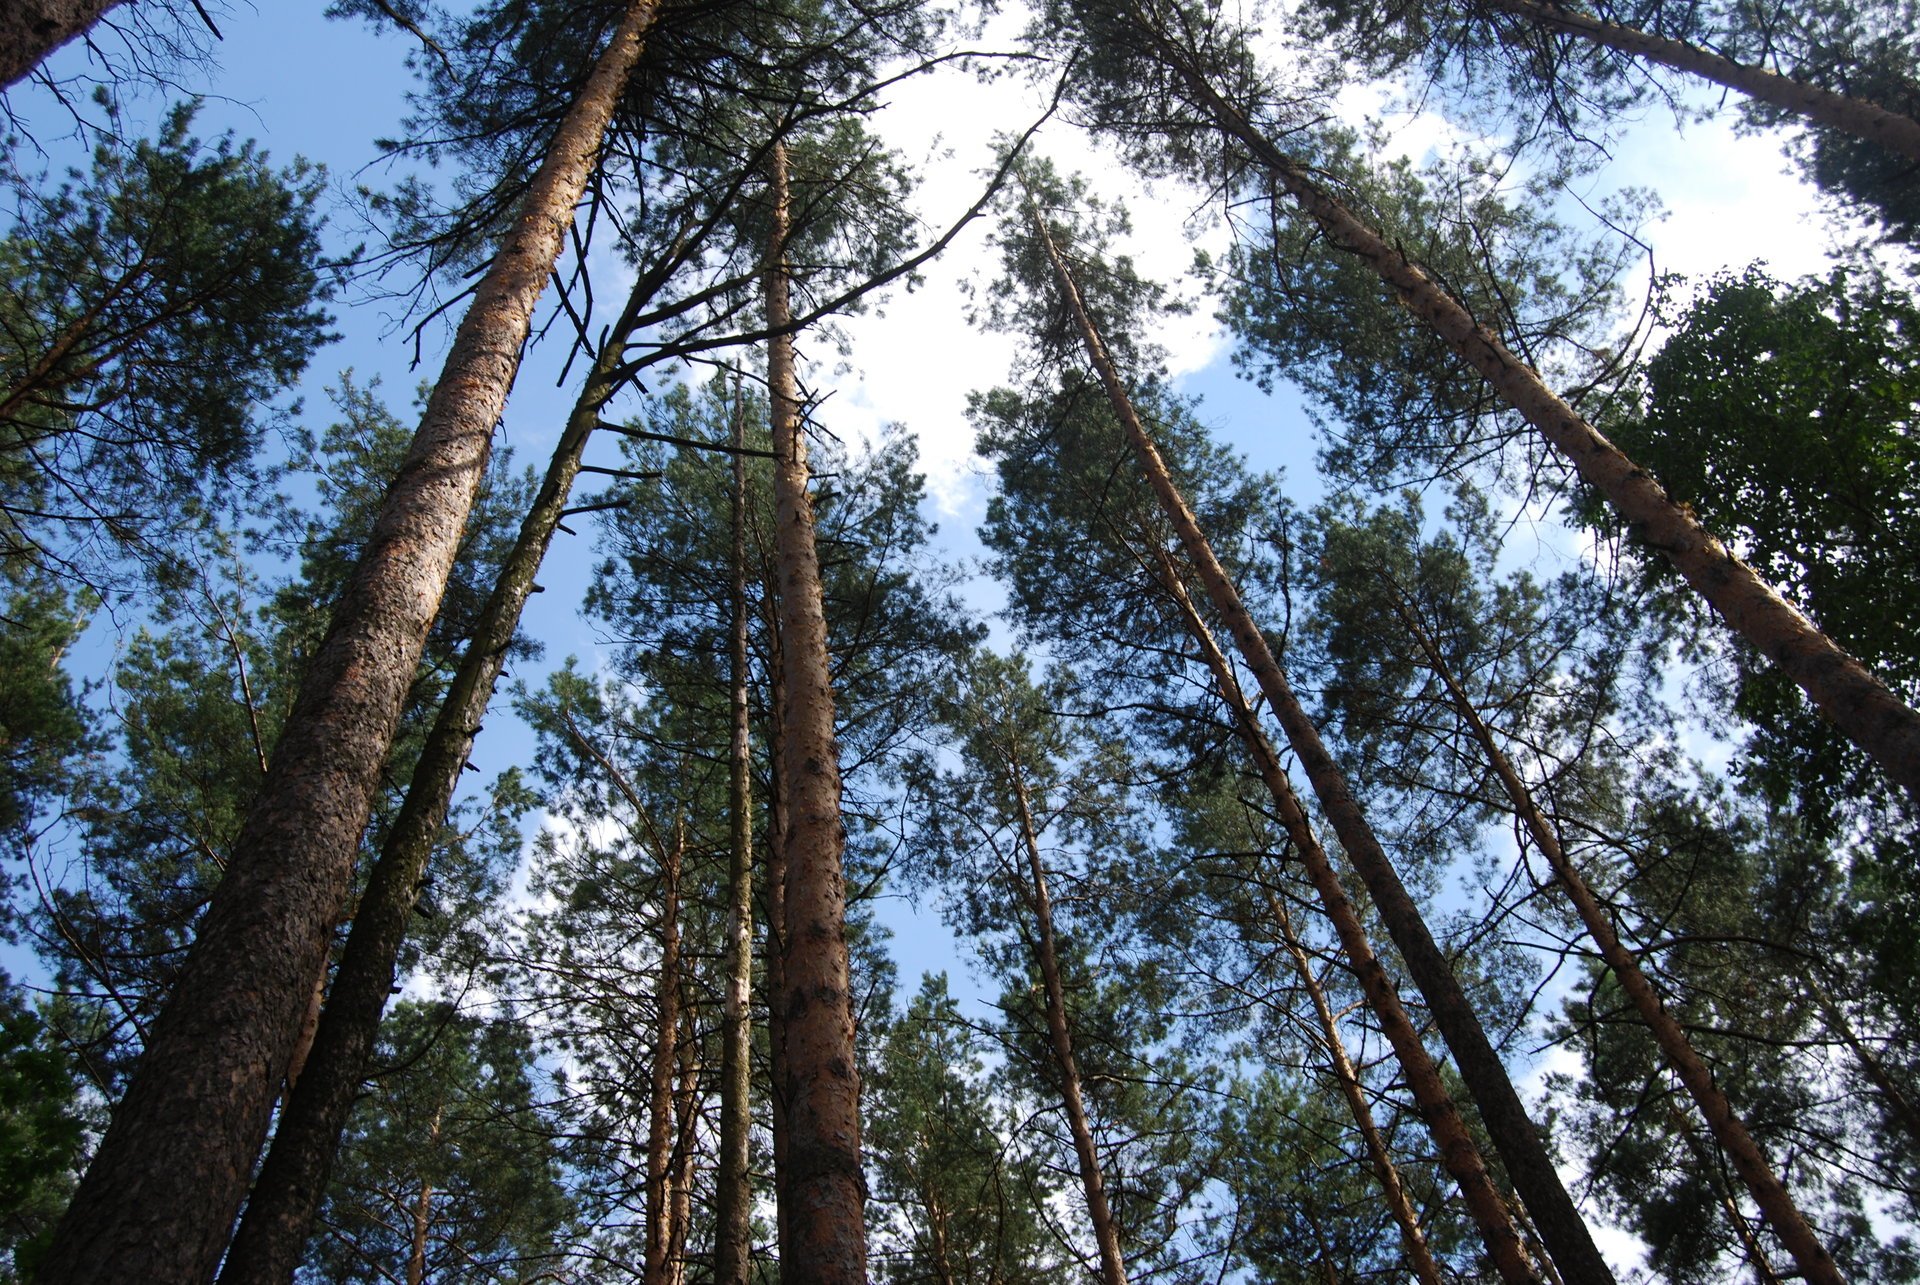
{"x": 1106, "y": 1232}
{"x": 666, "y": 1030}
{"x": 281, "y": 1207}
{"x": 158, "y": 1202}
{"x": 1486, "y": 1076}
{"x": 30, "y": 30}
{"x": 732, "y": 1233}
{"x": 1816, "y": 1264}
{"x": 1899, "y": 1102}
{"x": 1458, "y": 1152}
{"x": 825, "y": 1187}
{"x": 776, "y": 937}
{"x": 423, "y": 1214}
{"x": 1851, "y": 698}
{"x": 1892, "y": 130}
{"x": 686, "y": 1103}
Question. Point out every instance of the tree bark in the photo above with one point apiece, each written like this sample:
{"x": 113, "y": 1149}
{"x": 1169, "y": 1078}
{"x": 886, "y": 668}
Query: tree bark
{"x": 1106, "y": 1232}
{"x": 281, "y": 1207}
{"x": 159, "y": 1200}
{"x": 1458, "y": 1152}
{"x": 825, "y": 1187}
{"x": 1531, "y": 1169}
{"x": 30, "y": 31}
{"x": 1850, "y": 697}
{"x": 1816, "y": 1264}
{"x": 732, "y": 1234}
{"x": 666, "y": 1030}
{"x": 422, "y": 1218}
{"x": 1892, "y": 130}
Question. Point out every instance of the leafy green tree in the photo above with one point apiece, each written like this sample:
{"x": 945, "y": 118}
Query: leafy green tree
{"x": 1788, "y": 416}
{"x": 958, "y": 1197}
{"x": 150, "y": 307}
{"x": 41, "y": 1126}
{"x": 447, "y": 1173}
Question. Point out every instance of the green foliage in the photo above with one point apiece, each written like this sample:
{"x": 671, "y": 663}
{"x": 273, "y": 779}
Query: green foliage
{"x": 149, "y": 308}
{"x": 958, "y": 1197}
{"x": 1395, "y": 399}
{"x": 1786, "y": 417}
{"x": 445, "y": 1157}
{"x": 42, "y": 724}
{"x": 40, "y": 1132}
{"x": 1738, "y": 906}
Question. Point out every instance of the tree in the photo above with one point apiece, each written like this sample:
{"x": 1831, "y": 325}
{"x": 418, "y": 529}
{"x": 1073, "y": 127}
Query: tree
{"x": 149, "y": 308}
{"x": 959, "y": 1199}
{"x": 1142, "y": 55}
{"x": 41, "y": 1132}
{"x": 446, "y": 1174}
{"x": 229, "y": 1030}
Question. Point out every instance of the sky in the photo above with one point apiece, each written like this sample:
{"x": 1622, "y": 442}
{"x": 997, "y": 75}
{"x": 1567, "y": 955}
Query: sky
{"x": 324, "y": 90}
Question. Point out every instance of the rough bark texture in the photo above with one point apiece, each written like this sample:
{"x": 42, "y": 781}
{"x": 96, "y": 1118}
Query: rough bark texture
{"x": 733, "y": 1197}
{"x": 1458, "y": 1151}
{"x": 281, "y": 1207}
{"x": 1816, "y": 1264}
{"x": 686, "y": 1116}
{"x": 30, "y": 30}
{"x": 159, "y": 1199}
{"x": 1857, "y": 116}
{"x": 1106, "y": 1232}
{"x": 1850, "y": 697}
{"x": 776, "y": 941}
{"x": 825, "y": 1190}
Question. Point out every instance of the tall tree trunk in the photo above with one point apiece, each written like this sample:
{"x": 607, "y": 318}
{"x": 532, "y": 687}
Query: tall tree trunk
{"x": 732, "y": 1232}
{"x": 686, "y": 1116}
{"x": 1816, "y": 1264}
{"x": 1892, "y": 130}
{"x": 666, "y": 1030}
{"x": 1851, "y": 698}
{"x": 158, "y": 1202}
{"x": 281, "y": 1207}
{"x": 825, "y": 1188}
{"x": 1458, "y": 1152}
{"x": 1531, "y": 1169}
{"x": 1106, "y": 1232}
{"x": 776, "y": 936}
{"x": 30, "y": 30}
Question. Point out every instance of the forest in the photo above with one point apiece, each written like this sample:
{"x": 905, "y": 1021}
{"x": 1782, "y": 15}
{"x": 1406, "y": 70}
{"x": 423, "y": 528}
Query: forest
{"x": 1396, "y": 730}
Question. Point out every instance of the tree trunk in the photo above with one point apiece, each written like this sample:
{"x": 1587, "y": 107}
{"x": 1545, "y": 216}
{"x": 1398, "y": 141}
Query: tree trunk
{"x": 30, "y": 30}
{"x": 1106, "y": 1232}
{"x": 1458, "y": 1152}
{"x": 1891, "y": 130}
{"x": 1850, "y": 697}
{"x": 732, "y": 1233}
{"x": 1816, "y": 1264}
{"x": 423, "y": 1214}
{"x": 666, "y": 1030}
{"x": 1486, "y": 1076}
{"x": 158, "y": 1202}
{"x": 686, "y": 1105}
{"x": 281, "y": 1207}
{"x": 776, "y": 937}
{"x": 825, "y": 1188}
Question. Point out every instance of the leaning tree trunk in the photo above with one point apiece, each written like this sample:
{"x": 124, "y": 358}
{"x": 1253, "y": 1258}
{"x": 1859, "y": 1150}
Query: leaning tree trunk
{"x": 1890, "y": 129}
{"x": 159, "y": 1199}
{"x": 281, "y": 1206}
{"x": 825, "y": 1190}
{"x": 1106, "y": 1231}
{"x": 1816, "y": 1264}
{"x": 30, "y": 30}
{"x": 1513, "y": 1133}
{"x": 1851, "y": 698}
{"x": 1459, "y": 1153}
{"x": 733, "y": 1195}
